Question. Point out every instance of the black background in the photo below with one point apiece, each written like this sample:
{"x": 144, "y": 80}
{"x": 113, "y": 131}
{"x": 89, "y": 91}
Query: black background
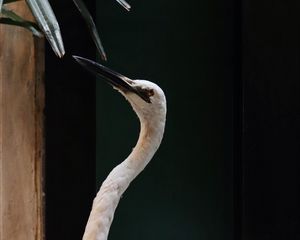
{"x": 228, "y": 166}
{"x": 186, "y": 191}
{"x": 70, "y": 129}
{"x": 271, "y": 118}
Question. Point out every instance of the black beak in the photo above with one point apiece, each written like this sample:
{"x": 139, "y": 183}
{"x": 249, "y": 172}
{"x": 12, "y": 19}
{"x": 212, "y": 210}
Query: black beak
{"x": 117, "y": 80}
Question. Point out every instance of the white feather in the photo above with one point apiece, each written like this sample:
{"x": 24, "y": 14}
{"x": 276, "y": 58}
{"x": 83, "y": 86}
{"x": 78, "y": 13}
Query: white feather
{"x": 152, "y": 123}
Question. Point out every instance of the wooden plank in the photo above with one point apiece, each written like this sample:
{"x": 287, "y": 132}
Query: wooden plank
{"x": 21, "y": 132}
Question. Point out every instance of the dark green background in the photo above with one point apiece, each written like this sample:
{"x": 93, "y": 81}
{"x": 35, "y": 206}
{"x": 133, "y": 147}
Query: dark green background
{"x": 187, "y": 47}
{"x": 228, "y": 165}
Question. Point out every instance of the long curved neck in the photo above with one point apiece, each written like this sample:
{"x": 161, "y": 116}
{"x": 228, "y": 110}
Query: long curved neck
{"x": 150, "y": 137}
{"x": 118, "y": 180}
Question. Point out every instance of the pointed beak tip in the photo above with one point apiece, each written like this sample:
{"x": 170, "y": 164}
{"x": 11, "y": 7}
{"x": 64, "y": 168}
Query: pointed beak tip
{"x": 115, "y": 79}
{"x": 75, "y": 57}
{"x": 89, "y": 65}
{"x": 78, "y": 59}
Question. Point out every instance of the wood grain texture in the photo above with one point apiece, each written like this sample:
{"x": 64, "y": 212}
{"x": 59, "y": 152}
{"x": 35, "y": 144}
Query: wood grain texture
{"x": 21, "y": 131}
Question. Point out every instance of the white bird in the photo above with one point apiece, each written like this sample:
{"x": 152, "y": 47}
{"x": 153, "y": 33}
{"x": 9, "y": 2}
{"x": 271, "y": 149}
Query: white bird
{"x": 149, "y": 103}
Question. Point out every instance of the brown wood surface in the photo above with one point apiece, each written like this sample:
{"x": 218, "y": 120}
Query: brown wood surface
{"x": 21, "y": 131}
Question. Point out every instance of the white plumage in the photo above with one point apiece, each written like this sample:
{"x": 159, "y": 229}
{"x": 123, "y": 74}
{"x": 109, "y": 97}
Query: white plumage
{"x": 152, "y": 116}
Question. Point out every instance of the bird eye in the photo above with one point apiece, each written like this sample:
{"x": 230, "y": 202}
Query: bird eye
{"x": 150, "y": 92}
{"x": 145, "y": 93}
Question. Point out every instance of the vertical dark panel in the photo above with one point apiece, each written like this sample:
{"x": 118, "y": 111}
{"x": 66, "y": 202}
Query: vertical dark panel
{"x": 236, "y": 91}
{"x": 191, "y": 49}
{"x": 70, "y": 130}
{"x": 271, "y": 152}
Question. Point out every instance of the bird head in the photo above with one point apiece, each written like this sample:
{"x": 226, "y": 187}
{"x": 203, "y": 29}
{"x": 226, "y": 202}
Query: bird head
{"x": 146, "y": 98}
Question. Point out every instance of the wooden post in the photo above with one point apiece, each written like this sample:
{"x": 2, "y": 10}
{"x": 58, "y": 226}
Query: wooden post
{"x": 21, "y": 131}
